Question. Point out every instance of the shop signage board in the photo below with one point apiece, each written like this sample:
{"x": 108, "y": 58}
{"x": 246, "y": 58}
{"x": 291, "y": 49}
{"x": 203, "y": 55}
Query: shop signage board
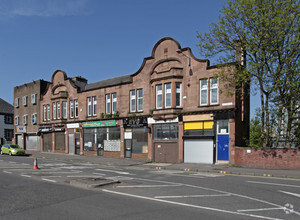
{"x": 92, "y": 124}
{"x": 21, "y": 129}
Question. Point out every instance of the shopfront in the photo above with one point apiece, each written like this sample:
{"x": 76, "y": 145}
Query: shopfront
{"x": 136, "y": 137}
{"x": 74, "y": 138}
{"x": 199, "y": 139}
{"x": 165, "y": 140}
{"x": 101, "y": 138}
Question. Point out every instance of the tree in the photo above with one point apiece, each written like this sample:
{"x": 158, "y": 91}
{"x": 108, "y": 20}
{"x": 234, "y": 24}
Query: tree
{"x": 269, "y": 35}
{"x": 255, "y": 136}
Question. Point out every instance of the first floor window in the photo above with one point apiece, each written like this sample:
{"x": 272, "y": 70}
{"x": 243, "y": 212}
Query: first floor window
{"x": 58, "y": 110}
{"x": 203, "y": 92}
{"x": 107, "y": 100}
{"x": 17, "y": 120}
{"x": 89, "y": 106}
{"x": 114, "y": 102}
{"x": 76, "y": 108}
{"x": 16, "y": 102}
{"x": 94, "y": 105}
{"x": 48, "y": 112}
{"x": 178, "y": 94}
{"x": 44, "y": 112}
{"x": 33, "y": 99}
{"x": 168, "y": 95}
{"x": 54, "y": 110}
{"x": 25, "y": 119}
{"x": 214, "y": 99}
{"x": 71, "y": 109}
{"x": 64, "y": 110}
{"x": 24, "y": 100}
{"x": 132, "y": 101}
{"x": 34, "y": 118}
{"x": 140, "y": 100}
{"x": 159, "y": 96}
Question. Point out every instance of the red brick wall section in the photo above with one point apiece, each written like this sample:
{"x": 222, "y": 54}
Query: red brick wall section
{"x": 140, "y": 156}
{"x": 268, "y": 158}
{"x": 112, "y": 154}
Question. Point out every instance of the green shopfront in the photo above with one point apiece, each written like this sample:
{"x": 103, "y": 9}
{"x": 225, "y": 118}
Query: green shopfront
{"x": 101, "y": 138}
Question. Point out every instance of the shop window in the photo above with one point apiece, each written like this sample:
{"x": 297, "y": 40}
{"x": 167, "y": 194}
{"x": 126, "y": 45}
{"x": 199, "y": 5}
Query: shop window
{"x": 60, "y": 141}
{"x": 140, "y": 100}
{"x": 107, "y": 138}
{"x": 64, "y": 110}
{"x": 167, "y": 131}
{"x": 214, "y": 99}
{"x": 159, "y": 96}
{"x": 201, "y": 128}
{"x": 139, "y": 140}
{"x": 223, "y": 127}
{"x": 203, "y": 92}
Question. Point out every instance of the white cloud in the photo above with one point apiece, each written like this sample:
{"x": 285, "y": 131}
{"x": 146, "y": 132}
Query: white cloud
{"x": 45, "y": 8}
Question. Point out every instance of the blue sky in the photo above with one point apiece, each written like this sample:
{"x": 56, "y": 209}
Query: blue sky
{"x": 96, "y": 39}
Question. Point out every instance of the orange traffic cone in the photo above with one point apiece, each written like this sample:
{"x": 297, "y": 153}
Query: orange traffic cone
{"x": 35, "y": 165}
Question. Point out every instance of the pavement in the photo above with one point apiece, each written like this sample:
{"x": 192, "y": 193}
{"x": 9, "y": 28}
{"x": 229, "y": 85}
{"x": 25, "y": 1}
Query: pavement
{"x": 189, "y": 167}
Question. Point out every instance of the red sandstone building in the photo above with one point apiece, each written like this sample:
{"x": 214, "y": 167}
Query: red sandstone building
{"x": 172, "y": 109}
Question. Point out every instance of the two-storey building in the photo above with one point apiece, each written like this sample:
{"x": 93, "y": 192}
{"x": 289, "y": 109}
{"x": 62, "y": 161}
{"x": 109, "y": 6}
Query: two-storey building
{"x": 27, "y": 114}
{"x": 173, "y": 109}
{"x": 6, "y": 122}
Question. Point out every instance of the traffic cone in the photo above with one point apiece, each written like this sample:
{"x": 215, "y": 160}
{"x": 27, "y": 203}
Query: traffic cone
{"x": 35, "y": 165}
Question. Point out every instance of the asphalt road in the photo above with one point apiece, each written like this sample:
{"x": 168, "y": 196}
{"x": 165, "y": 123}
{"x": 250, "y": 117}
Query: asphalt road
{"x": 142, "y": 193}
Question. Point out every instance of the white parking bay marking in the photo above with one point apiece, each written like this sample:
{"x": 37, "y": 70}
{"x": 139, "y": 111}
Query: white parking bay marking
{"x": 6, "y": 171}
{"x": 275, "y": 184}
{"x": 114, "y": 171}
{"x": 190, "y": 196}
{"x": 12, "y": 162}
{"x": 188, "y": 205}
{"x": 146, "y": 186}
{"x": 289, "y": 193}
{"x": 53, "y": 181}
{"x": 25, "y": 175}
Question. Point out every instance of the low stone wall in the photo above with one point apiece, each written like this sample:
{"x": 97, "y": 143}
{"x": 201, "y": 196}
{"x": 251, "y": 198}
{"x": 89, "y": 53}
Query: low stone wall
{"x": 267, "y": 158}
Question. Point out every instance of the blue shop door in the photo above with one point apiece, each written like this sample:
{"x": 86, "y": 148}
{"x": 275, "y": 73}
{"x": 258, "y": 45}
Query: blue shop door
{"x": 223, "y": 147}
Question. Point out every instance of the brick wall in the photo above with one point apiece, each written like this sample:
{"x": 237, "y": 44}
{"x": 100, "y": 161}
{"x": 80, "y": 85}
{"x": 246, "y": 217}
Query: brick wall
{"x": 140, "y": 156}
{"x": 267, "y": 158}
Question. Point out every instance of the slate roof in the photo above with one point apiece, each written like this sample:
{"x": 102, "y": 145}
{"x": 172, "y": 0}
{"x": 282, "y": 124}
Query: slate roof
{"x": 109, "y": 82}
{"x": 5, "y": 107}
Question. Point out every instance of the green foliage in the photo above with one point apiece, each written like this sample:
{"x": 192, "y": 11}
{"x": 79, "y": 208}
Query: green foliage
{"x": 255, "y": 136}
{"x": 267, "y": 32}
